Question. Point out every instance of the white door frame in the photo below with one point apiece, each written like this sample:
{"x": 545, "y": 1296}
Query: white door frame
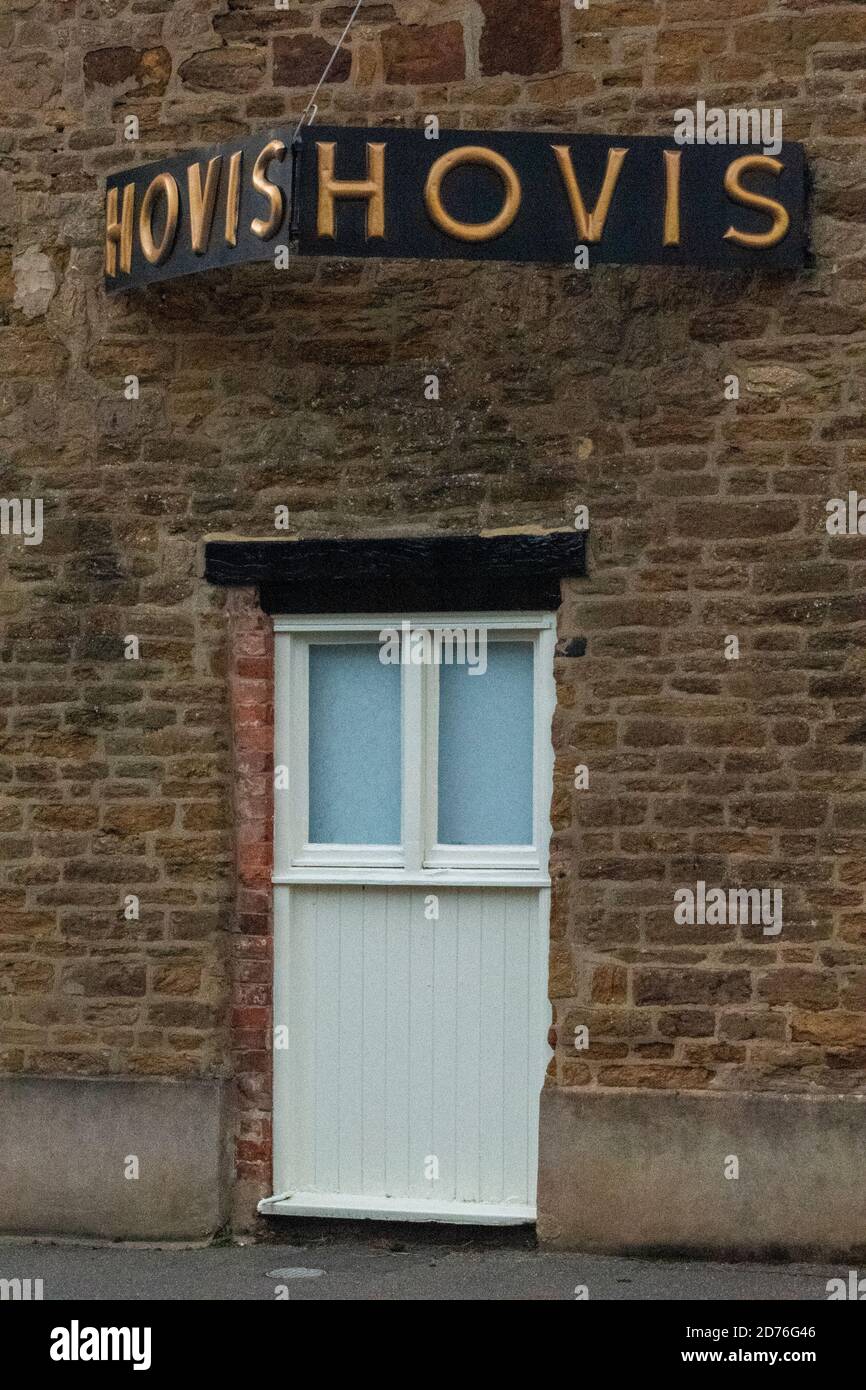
{"x": 296, "y": 862}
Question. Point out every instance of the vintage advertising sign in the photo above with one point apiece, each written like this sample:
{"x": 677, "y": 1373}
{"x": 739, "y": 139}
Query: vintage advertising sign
{"x": 468, "y": 195}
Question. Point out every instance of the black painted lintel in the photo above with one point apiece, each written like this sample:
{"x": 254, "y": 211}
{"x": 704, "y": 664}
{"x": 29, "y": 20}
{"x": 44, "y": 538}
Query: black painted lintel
{"x": 420, "y": 573}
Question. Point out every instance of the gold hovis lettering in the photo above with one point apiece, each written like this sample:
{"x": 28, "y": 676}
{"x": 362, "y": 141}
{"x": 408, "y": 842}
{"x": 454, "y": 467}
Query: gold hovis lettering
{"x": 588, "y": 225}
{"x": 498, "y": 196}
{"x": 121, "y": 228}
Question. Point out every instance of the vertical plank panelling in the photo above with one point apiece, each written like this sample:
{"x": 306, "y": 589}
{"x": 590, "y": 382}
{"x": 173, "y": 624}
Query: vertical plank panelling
{"x": 395, "y": 1036}
{"x": 420, "y": 936}
{"x": 491, "y": 1093}
{"x": 412, "y": 1039}
{"x": 349, "y": 1041}
{"x": 446, "y": 989}
{"x": 520, "y": 919}
{"x": 538, "y": 1011}
{"x": 375, "y": 1008}
{"x": 326, "y": 1020}
{"x": 300, "y": 1062}
{"x": 469, "y": 1022}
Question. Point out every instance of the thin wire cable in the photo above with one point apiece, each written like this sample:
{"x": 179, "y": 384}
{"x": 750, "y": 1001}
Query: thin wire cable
{"x": 324, "y": 77}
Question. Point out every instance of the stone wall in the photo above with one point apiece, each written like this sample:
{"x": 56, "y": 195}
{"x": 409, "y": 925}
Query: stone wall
{"x": 305, "y": 388}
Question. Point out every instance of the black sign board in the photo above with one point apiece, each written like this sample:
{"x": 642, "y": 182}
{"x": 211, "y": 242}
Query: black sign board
{"x": 579, "y": 200}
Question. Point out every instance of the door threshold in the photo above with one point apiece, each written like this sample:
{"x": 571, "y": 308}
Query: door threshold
{"x": 337, "y": 1205}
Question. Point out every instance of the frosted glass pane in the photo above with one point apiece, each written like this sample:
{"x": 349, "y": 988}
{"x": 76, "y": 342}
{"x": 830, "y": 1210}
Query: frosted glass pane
{"x": 485, "y": 749}
{"x": 354, "y": 746}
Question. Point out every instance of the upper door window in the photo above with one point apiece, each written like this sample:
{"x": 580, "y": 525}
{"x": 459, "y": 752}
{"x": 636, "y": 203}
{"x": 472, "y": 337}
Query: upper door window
{"x": 412, "y": 746}
{"x": 354, "y": 774}
{"x": 484, "y": 752}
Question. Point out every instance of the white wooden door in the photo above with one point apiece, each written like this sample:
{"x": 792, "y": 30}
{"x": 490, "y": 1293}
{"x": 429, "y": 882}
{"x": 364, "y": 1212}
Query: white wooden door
{"x": 411, "y": 916}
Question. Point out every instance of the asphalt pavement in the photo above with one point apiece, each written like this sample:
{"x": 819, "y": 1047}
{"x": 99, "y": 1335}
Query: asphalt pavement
{"x": 384, "y": 1267}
